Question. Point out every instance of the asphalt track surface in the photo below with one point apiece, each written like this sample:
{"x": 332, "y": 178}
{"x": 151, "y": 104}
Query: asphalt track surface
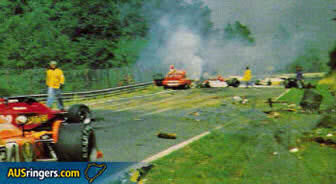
{"x": 127, "y": 129}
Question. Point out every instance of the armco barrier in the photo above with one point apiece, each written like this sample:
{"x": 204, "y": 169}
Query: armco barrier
{"x": 90, "y": 94}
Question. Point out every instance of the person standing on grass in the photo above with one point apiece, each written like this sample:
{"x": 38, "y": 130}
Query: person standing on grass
{"x": 247, "y": 76}
{"x": 55, "y": 82}
{"x": 299, "y": 77}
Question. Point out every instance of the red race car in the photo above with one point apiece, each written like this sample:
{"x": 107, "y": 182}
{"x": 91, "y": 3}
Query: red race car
{"x": 30, "y": 131}
{"x": 176, "y": 80}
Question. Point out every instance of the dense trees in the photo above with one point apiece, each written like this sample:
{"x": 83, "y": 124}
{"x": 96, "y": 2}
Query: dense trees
{"x": 311, "y": 61}
{"x": 79, "y": 33}
{"x": 84, "y": 33}
{"x": 238, "y": 31}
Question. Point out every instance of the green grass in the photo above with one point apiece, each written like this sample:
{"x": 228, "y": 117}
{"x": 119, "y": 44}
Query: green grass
{"x": 295, "y": 95}
{"x": 247, "y": 155}
{"x": 254, "y": 149}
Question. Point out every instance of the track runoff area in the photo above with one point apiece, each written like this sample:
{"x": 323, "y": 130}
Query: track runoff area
{"x": 127, "y": 128}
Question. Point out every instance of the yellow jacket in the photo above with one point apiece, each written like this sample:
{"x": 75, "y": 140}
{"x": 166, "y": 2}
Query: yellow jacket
{"x": 247, "y": 75}
{"x": 55, "y": 78}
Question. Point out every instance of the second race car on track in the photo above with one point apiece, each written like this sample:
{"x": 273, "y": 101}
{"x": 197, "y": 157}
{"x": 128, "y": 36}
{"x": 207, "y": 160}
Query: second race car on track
{"x": 219, "y": 81}
{"x": 30, "y": 131}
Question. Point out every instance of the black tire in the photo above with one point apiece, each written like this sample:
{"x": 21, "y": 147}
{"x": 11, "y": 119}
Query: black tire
{"x": 76, "y": 143}
{"x": 79, "y": 113}
{"x": 233, "y": 82}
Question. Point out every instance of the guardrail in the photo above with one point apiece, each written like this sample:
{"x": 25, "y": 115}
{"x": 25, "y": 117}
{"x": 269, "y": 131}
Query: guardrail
{"x": 89, "y": 94}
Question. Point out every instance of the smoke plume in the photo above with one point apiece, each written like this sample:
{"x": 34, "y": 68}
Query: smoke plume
{"x": 283, "y": 30}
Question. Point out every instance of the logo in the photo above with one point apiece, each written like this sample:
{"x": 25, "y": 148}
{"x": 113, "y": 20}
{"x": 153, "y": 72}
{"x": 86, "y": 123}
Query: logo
{"x": 94, "y": 166}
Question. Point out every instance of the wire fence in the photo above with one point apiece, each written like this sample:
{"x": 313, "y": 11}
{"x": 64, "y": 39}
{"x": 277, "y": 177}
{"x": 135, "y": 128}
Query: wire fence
{"x": 32, "y": 81}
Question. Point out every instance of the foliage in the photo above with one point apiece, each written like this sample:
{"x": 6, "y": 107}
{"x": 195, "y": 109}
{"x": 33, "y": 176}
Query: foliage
{"x": 310, "y": 61}
{"x": 32, "y": 81}
{"x": 332, "y": 59}
{"x": 295, "y": 96}
{"x": 76, "y": 33}
{"x": 82, "y": 34}
{"x": 240, "y": 32}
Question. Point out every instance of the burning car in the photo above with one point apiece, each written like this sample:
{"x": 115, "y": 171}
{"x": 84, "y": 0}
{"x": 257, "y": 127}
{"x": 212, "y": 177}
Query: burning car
{"x": 176, "y": 80}
{"x": 30, "y": 131}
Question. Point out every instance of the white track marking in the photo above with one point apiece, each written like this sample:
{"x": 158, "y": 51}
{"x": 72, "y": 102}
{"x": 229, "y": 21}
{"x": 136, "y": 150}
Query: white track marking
{"x": 178, "y": 146}
{"x": 187, "y": 142}
{"x": 283, "y": 94}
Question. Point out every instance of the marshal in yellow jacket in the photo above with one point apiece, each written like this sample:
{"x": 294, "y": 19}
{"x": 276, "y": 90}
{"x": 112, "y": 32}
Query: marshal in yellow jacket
{"x": 55, "y": 78}
{"x": 247, "y": 75}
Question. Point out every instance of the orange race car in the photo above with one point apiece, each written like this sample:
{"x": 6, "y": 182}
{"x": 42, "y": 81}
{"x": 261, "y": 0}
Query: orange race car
{"x": 30, "y": 131}
{"x": 176, "y": 79}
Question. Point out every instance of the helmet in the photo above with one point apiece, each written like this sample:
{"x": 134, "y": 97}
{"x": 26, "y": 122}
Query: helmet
{"x": 172, "y": 67}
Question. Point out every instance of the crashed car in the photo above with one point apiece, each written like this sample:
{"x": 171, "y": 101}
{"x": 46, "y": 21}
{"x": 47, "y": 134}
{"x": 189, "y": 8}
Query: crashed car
{"x": 176, "y": 80}
{"x": 291, "y": 83}
{"x": 30, "y": 131}
{"x": 221, "y": 82}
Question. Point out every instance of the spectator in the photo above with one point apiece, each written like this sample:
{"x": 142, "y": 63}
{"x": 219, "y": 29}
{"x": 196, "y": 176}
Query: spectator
{"x": 299, "y": 77}
{"x": 55, "y": 83}
{"x": 247, "y": 76}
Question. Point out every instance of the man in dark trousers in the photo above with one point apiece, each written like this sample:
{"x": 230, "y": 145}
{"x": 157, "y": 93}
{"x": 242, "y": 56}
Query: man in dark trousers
{"x": 299, "y": 77}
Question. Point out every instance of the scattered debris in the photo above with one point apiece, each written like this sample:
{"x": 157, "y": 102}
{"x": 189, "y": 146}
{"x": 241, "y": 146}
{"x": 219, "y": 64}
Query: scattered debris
{"x": 272, "y": 114}
{"x": 137, "y": 176}
{"x": 291, "y": 110}
{"x": 166, "y": 135}
{"x": 237, "y": 98}
{"x": 294, "y": 150}
{"x": 275, "y": 153}
{"x": 245, "y": 101}
{"x": 329, "y": 135}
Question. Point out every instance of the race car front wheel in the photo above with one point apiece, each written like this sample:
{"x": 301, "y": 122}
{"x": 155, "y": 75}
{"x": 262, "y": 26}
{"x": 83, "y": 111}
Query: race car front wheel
{"x": 76, "y": 142}
{"x": 79, "y": 113}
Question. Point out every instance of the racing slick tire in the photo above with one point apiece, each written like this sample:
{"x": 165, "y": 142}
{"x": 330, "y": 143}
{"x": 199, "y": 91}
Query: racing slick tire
{"x": 79, "y": 113}
{"x": 76, "y": 143}
{"x": 233, "y": 82}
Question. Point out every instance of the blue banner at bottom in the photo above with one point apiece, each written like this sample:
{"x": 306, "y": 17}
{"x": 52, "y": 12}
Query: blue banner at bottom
{"x": 61, "y": 172}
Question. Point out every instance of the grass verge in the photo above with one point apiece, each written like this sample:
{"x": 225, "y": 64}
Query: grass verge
{"x": 256, "y": 149}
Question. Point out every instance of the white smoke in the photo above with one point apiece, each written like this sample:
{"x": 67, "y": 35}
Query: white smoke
{"x": 283, "y": 30}
{"x": 182, "y": 49}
